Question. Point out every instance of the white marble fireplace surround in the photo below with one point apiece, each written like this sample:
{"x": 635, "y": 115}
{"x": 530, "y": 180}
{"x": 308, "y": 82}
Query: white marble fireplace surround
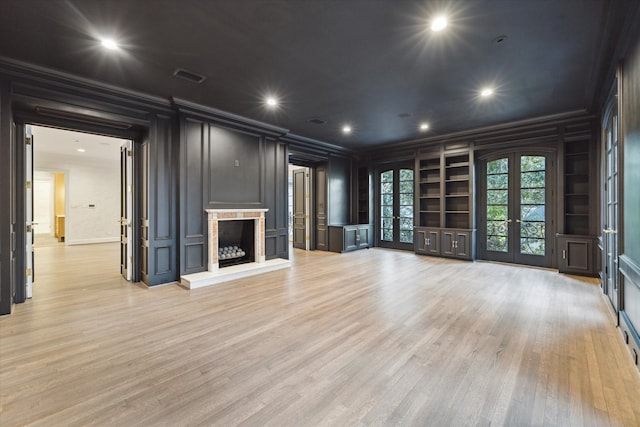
{"x": 218, "y": 275}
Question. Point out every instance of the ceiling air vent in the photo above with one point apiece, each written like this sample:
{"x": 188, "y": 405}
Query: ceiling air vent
{"x": 188, "y": 75}
{"x": 317, "y": 121}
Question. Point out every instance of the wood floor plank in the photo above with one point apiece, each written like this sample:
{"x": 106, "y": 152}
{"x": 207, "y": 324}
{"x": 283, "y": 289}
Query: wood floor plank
{"x": 377, "y": 337}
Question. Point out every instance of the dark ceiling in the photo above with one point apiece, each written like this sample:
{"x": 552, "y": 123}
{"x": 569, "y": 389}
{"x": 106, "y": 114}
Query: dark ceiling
{"x": 373, "y": 64}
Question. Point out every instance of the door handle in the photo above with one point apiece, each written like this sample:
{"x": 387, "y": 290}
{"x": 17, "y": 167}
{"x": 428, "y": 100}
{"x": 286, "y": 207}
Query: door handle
{"x": 610, "y": 231}
{"x": 517, "y": 220}
{"x": 509, "y": 220}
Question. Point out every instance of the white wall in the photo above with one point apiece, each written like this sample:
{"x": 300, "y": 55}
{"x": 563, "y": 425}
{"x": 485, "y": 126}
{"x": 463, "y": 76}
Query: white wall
{"x": 88, "y": 184}
{"x": 91, "y": 164}
{"x": 94, "y": 205}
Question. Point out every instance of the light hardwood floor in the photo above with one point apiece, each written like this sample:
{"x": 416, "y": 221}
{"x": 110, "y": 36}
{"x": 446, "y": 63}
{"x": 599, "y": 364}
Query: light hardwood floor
{"x": 375, "y": 337}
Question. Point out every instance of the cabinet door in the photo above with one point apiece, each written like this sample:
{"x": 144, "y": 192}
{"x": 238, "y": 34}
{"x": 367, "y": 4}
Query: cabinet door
{"x": 433, "y": 242}
{"x": 463, "y": 244}
{"x": 363, "y": 235}
{"x": 448, "y": 243}
{"x": 421, "y": 240}
{"x": 351, "y": 238}
{"x": 575, "y": 255}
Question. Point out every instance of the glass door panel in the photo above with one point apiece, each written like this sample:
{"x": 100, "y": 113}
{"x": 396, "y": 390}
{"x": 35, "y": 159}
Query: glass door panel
{"x": 386, "y": 206}
{"x": 406, "y": 205}
{"x": 532, "y": 205}
{"x": 497, "y": 206}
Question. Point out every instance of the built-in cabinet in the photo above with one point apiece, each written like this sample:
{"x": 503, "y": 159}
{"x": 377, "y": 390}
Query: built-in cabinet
{"x": 576, "y": 237}
{"x": 445, "y": 205}
{"x": 576, "y": 254}
{"x": 347, "y": 238}
{"x": 427, "y": 240}
{"x": 448, "y": 242}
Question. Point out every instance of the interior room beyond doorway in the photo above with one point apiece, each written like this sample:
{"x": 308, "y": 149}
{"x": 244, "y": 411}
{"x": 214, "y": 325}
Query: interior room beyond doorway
{"x": 77, "y": 198}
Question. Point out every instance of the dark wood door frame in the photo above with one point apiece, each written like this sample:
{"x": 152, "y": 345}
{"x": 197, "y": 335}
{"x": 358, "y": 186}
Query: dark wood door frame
{"x": 21, "y": 119}
{"x": 395, "y": 244}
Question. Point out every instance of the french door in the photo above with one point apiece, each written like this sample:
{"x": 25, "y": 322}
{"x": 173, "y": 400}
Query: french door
{"x": 126, "y": 210}
{"x": 611, "y": 208}
{"x": 395, "y": 207}
{"x": 515, "y": 222}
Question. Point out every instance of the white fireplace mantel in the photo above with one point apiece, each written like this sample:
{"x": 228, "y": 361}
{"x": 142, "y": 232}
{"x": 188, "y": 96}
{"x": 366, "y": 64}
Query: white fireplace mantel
{"x": 215, "y": 215}
{"x": 214, "y": 274}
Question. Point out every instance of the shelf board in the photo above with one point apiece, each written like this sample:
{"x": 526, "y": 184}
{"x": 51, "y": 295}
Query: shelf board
{"x": 432, "y": 212}
{"x": 457, "y": 179}
{"x": 575, "y": 174}
{"x": 457, "y": 195}
{"x": 577, "y": 153}
{"x": 457, "y": 212}
{"x": 430, "y": 196}
{"x": 457, "y": 165}
{"x": 430, "y": 181}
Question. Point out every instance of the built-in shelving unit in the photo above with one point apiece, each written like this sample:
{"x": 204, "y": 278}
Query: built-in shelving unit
{"x": 363, "y": 191}
{"x": 576, "y": 188}
{"x": 445, "y": 203}
{"x": 457, "y": 191}
{"x": 430, "y": 192}
{"x": 577, "y": 239}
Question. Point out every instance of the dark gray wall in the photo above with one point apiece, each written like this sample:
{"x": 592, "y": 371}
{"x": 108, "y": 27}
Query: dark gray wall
{"x": 630, "y": 238}
{"x": 630, "y": 113}
{"x": 7, "y": 213}
{"x": 339, "y": 190}
{"x": 224, "y": 167}
{"x": 162, "y": 199}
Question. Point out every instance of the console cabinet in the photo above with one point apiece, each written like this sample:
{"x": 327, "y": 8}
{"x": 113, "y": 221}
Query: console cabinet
{"x": 347, "y": 238}
{"x": 448, "y": 242}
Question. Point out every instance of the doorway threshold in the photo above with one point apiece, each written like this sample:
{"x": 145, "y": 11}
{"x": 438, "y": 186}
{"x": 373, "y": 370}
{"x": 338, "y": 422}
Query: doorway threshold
{"x": 227, "y": 274}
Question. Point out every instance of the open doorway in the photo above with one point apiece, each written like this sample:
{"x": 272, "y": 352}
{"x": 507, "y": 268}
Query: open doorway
{"x": 80, "y": 194}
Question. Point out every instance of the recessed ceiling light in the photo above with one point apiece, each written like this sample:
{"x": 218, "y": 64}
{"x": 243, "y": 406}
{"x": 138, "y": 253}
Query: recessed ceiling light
{"x": 424, "y": 126}
{"x": 81, "y": 150}
{"x": 438, "y": 23}
{"x": 487, "y": 91}
{"x": 346, "y": 129}
{"x": 109, "y": 44}
{"x": 271, "y": 101}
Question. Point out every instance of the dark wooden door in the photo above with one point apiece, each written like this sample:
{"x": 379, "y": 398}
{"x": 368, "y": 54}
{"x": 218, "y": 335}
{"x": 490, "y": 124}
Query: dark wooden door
{"x": 322, "y": 233}
{"x": 515, "y": 221}
{"x": 299, "y": 212}
{"x": 396, "y": 207}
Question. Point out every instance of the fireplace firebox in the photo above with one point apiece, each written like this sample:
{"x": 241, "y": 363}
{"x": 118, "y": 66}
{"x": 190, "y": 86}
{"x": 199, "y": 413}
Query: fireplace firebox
{"x": 235, "y": 242}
